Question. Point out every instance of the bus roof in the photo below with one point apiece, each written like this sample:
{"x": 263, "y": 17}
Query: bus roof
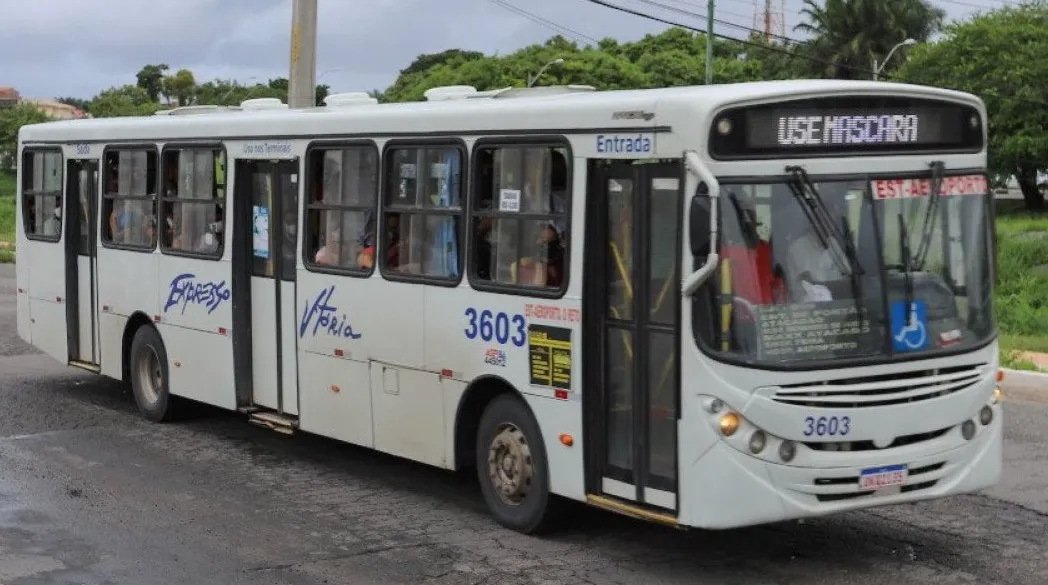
{"x": 464, "y": 112}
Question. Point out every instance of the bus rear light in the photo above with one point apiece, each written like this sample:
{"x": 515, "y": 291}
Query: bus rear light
{"x": 986, "y": 415}
{"x": 729, "y": 423}
{"x": 997, "y": 395}
{"x": 787, "y": 451}
{"x": 560, "y": 394}
{"x": 339, "y": 353}
{"x": 221, "y": 330}
{"x": 1000, "y": 375}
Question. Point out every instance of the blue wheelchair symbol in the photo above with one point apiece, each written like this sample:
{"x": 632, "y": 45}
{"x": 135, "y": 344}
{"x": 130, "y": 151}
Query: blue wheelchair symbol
{"x": 909, "y": 328}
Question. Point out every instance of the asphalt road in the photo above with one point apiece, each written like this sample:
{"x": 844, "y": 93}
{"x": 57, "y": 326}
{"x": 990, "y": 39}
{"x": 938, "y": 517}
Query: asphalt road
{"x": 91, "y": 494}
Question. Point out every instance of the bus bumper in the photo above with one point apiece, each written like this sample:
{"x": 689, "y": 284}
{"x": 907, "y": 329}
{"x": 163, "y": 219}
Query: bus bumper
{"x": 733, "y": 488}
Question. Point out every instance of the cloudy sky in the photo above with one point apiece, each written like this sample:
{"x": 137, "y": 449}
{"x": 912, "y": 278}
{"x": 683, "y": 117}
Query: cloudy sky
{"x": 78, "y": 47}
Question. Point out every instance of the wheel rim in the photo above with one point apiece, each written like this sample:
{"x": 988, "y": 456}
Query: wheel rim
{"x": 510, "y": 465}
{"x": 150, "y": 376}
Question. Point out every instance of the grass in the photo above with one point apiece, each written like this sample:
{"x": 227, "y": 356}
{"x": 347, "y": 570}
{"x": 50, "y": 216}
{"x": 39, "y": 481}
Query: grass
{"x": 7, "y": 210}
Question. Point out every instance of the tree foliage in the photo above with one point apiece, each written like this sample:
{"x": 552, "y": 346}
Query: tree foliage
{"x": 848, "y": 35}
{"x": 11, "y": 120}
{"x": 999, "y": 56}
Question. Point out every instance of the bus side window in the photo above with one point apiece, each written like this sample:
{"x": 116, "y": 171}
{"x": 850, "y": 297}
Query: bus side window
{"x": 193, "y": 201}
{"x": 42, "y": 195}
{"x": 129, "y": 202}
{"x": 422, "y": 211}
{"x": 342, "y": 188}
{"x": 521, "y": 217}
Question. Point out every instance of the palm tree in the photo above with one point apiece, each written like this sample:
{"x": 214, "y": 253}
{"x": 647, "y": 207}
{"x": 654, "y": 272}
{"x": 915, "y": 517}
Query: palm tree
{"x": 847, "y": 35}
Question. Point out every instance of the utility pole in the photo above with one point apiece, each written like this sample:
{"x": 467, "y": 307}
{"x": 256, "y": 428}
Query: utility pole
{"x": 709, "y": 43}
{"x": 302, "y": 77}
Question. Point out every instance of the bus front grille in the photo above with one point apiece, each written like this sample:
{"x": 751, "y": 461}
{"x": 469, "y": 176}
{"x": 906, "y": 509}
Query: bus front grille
{"x": 884, "y": 390}
{"x": 918, "y": 479}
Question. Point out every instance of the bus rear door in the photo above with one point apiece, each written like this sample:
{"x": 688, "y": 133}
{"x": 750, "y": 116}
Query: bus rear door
{"x": 81, "y": 253}
{"x": 264, "y": 263}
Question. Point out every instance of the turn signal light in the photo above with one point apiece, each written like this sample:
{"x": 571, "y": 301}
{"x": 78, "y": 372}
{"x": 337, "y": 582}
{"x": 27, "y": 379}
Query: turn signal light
{"x": 567, "y": 440}
{"x": 729, "y": 423}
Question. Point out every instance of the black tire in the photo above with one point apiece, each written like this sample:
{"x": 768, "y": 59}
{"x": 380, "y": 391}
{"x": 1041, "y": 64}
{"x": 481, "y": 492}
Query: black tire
{"x": 148, "y": 373}
{"x": 533, "y": 511}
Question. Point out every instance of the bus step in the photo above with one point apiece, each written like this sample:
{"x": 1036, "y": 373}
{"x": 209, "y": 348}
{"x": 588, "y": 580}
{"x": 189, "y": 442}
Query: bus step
{"x": 93, "y": 368}
{"x": 274, "y": 422}
{"x": 632, "y": 510}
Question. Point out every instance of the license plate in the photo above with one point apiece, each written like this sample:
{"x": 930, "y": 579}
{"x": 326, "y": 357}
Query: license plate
{"x": 882, "y": 477}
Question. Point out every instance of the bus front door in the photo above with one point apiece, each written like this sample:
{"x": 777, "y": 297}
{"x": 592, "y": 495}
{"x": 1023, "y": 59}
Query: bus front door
{"x": 264, "y": 263}
{"x": 81, "y": 254}
{"x": 632, "y": 313}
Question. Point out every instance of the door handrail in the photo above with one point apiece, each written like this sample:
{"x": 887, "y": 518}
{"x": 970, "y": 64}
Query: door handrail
{"x": 696, "y": 172}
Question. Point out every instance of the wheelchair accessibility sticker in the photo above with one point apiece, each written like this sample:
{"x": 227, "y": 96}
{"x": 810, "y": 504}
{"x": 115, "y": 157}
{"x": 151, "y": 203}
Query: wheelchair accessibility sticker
{"x": 909, "y": 327}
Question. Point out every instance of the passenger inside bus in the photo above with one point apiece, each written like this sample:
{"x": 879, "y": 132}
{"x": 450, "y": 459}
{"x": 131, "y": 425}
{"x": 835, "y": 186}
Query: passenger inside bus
{"x": 753, "y": 276}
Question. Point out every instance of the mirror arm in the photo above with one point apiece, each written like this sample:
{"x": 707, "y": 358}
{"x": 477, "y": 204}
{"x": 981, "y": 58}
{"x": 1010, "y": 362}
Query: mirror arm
{"x": 698, "y": 172}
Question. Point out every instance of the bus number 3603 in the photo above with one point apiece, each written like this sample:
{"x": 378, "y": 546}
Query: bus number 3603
{"x": 499, "y": 326}
{"x": 827, "y": 426}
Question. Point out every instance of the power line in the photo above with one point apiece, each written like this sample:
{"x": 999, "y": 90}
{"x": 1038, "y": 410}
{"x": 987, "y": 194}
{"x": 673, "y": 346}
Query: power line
{"x": 544, "y": 22}
{"x": 770, "y": 48}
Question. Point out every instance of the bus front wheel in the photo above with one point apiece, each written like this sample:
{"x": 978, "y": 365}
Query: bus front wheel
{"x": 149, "y": 375}
{"x": 512, "y": 468}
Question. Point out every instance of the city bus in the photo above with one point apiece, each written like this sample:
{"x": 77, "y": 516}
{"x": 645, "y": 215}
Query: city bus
{"x": 711, "y": 307}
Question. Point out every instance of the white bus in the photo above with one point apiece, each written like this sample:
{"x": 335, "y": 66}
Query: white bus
{"x": 702, "y": 306}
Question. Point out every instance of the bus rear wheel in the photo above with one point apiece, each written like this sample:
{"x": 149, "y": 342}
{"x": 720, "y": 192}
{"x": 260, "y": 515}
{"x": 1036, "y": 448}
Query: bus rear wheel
{"x": 149, "y": 376}
{"x": 512, "y": 468}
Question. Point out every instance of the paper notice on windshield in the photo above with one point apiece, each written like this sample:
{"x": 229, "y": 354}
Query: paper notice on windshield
{"x": 910, "y": 188}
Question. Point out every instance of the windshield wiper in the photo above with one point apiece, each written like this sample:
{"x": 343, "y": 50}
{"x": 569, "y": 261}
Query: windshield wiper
{"x": 856, "y": 279}
{"x": 904, "y": 257}
{"x": 928, "y": 227}
{"x": 820, "y": 219}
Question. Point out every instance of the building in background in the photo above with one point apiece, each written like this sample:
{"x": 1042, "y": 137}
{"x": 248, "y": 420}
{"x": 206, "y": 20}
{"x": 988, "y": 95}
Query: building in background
{"x": 9, "y": 97}
{"x": 57, "y": 110}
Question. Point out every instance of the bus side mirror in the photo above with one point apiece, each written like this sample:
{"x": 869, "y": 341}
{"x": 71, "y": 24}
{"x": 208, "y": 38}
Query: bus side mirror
{"x": 699, "y": 223}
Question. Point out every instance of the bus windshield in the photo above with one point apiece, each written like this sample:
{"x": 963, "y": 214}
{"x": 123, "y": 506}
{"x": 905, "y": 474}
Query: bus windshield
{"x": 867, "y": 267}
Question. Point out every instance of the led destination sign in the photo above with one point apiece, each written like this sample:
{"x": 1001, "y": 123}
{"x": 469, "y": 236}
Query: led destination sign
{"x": 841, "y": 126}
{"x": 854, "y": 129}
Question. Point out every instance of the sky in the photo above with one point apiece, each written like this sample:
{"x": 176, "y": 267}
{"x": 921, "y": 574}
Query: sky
{"x": 77, "y": 48}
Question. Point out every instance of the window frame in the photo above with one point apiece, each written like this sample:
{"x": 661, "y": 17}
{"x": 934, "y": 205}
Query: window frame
{"x": 385, "y": 209}
{"x": 309, "y": 205}
{"x": 22, "y": 196}
{"x": 163, "y": 200}
{"x": 497, "y": 142}
{"x": 104, "y": 195}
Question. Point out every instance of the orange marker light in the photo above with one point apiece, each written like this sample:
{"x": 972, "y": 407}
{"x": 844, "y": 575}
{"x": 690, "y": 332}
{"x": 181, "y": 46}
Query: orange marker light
{"x": 1000, "y": 375}
{"x": 567, "y": 440}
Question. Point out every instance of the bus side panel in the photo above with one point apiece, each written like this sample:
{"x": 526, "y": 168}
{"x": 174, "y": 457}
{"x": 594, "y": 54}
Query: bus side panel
{"x": 199, "y": 365}
{"x": 127, "y": 283}
{"x": 335, "y": 398}
{"x": 47, "y": 302}
{"x": 24, "y": 248}
{"x": 195, "y": 303}
{"x": 567, "y": 476}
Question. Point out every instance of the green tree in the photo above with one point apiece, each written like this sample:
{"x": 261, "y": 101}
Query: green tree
{"x": 128, "y": 100}
{"x": 11, "y": 120}
{"x": 151, "y": 79}
{"x": 180, "y": 87}
{"x": 999, "y": 56}
{"x": 848, "y": 35}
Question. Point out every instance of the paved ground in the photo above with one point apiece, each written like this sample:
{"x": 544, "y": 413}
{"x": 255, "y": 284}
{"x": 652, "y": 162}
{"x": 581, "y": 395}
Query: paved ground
{"x": 91, "y": 494}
